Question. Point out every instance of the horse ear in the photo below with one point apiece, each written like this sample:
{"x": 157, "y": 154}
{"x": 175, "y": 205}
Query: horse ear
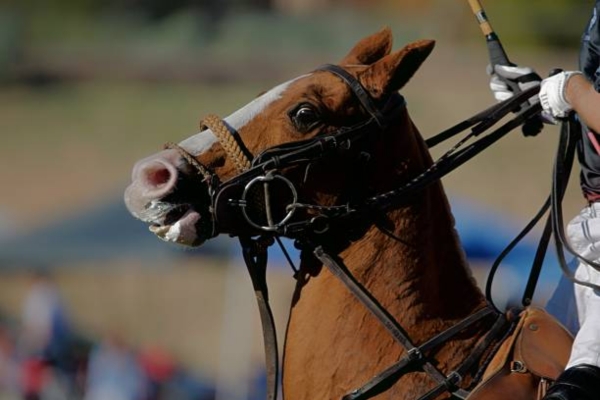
{"x": 370, "y": 49}
{"x": 393, "y": 71}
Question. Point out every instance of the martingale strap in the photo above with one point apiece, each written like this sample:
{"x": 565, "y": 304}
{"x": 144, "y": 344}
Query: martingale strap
{"x": 415, "y": 355}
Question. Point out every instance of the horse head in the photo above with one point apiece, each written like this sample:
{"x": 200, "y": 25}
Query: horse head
{"x": 323, "y": 145}
{"x": 175, "y": 190}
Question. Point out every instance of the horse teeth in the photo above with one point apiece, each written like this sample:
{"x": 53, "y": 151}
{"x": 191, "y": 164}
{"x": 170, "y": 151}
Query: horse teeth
{"x": 159, "y": 231}
{"x": 174, "y": 233}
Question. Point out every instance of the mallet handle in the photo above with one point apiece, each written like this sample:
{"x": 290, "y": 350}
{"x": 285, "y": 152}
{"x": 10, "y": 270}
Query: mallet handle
{"x": 497, "y": 54}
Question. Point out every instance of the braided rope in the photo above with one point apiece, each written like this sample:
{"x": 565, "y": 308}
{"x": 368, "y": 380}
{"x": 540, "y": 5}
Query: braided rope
{"x": 231, "y": 146}
{"x": 235, "y": 152}
{"x": 202, "y": 170}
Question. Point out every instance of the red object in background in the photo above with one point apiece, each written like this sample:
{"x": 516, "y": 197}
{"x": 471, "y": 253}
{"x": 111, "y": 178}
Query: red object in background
{"x": 158, "y": 364}
{"x": 33, "y": 376}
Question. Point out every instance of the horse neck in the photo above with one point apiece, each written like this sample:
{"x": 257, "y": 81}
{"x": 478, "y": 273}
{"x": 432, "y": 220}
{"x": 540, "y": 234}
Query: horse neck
{"x": 420, "y": 279}
{"x": 422, "y": 274}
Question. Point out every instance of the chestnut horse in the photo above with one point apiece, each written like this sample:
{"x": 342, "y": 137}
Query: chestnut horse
{"x": 407, "y": 256}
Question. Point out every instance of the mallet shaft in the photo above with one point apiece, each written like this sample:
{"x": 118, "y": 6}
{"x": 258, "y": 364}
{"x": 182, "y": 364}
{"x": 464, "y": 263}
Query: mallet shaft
{"x": 497, "y": 54}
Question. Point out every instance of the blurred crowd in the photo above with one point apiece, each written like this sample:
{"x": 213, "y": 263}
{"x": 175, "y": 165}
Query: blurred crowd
{"x": 42, "y": 357}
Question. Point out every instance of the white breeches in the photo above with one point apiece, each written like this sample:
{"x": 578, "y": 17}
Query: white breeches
{"x": 584, "y": 235}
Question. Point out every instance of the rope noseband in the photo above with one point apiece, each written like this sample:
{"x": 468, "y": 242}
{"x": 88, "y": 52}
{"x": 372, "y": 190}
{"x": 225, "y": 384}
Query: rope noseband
{"x": 231, "y": 142}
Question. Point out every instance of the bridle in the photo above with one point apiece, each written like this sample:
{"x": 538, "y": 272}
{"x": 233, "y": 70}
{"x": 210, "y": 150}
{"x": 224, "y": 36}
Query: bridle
{"x": 265, "y": 169}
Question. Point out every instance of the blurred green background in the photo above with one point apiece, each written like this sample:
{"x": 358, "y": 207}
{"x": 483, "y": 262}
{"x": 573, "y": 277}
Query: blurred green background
{"x": 87, "y": 87}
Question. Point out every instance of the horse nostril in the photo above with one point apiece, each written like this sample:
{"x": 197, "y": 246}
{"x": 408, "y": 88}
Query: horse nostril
{"x": 157, "y": 176}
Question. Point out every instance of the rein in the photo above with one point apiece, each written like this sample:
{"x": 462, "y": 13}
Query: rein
{"x": 415, "y": 358}
{"x": 317, "y": 148}
{"x": 263, "y": 170}
{"x": 305, "y": 152}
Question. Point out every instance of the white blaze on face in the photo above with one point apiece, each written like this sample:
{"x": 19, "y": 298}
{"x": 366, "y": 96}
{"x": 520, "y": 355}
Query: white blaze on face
{"x": 184, "y": 230}
{"x": 201, "y": 142}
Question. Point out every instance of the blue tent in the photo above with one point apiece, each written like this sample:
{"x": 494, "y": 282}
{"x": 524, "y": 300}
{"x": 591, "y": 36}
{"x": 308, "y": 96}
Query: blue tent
{"x": 106, "y": 232}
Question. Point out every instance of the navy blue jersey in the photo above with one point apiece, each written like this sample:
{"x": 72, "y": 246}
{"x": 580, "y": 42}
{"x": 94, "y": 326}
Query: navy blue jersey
{"x": 589, "y": 147}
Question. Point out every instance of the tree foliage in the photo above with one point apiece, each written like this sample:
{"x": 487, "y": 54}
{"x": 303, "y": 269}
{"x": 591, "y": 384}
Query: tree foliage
{"x": 548, "y": 23}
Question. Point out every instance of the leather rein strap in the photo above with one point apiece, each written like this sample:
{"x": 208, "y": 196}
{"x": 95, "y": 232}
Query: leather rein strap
{"x": 415, "y": 358}
{"x": 570, "y": 135}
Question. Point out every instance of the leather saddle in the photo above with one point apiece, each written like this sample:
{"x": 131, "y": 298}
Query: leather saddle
{"x": 528, "y": 361}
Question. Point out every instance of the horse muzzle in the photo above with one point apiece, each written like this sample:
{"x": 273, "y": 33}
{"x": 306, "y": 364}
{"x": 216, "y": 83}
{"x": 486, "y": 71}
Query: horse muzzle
{"x": 174, "y": 201}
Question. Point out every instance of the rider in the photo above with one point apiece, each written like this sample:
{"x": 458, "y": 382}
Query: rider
{"x": 560, "y": 94}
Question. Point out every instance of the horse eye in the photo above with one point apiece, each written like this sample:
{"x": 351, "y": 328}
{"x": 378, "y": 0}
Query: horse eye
{"x": 305, "y": 117}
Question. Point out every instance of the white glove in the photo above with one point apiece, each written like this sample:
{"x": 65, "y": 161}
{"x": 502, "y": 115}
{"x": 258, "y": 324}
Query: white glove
{"x": 524, "y": 77}
{"x": 552, "y": 94}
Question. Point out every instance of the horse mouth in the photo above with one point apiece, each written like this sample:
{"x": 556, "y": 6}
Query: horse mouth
{"x": 175, "y": 223}
{"x": 181, "y": 230}
{"x": 174, "y": 202}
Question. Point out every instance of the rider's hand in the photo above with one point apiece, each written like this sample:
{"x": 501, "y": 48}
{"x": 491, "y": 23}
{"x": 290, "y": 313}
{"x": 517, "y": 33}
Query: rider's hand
{"x": 552, "y": 94}
{"x": 524, "y": 77}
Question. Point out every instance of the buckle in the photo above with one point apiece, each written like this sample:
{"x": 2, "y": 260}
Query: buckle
{"x": 414, "y": 354}
{"x": 453, "y": 378}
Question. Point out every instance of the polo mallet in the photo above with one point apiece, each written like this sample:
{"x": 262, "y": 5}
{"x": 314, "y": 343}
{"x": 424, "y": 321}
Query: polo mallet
{"x": 498, "y": 56}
